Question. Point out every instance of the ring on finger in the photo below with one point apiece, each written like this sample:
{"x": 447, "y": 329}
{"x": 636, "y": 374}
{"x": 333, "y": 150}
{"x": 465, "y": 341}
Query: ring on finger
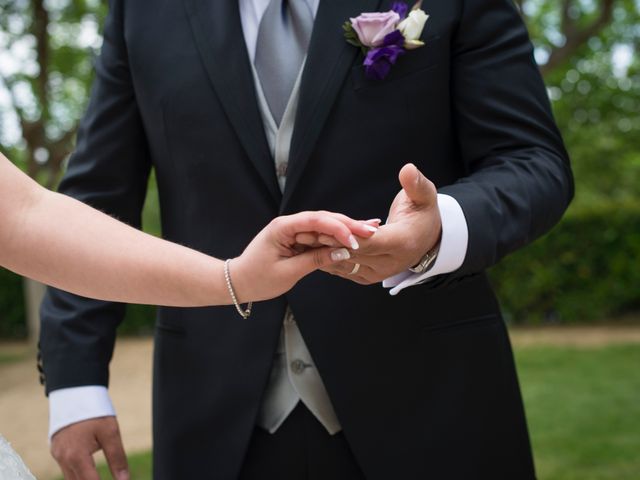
{"x": 356, "y": 267}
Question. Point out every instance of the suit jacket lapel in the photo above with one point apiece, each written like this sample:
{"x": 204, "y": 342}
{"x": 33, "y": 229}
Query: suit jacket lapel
{"x": 328, "y": 61}
{"x": 218, "y": 34}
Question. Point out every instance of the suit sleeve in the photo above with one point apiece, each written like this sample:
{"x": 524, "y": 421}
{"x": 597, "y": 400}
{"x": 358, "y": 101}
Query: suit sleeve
{"x": 517, "y": 181}
{"x": 109, "y": 171}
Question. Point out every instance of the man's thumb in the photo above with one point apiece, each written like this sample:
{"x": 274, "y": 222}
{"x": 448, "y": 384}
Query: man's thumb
{"x": 417, "y": 187}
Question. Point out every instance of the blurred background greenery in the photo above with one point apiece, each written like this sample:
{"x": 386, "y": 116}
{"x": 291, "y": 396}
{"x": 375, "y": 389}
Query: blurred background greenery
{"x": 584, "y": 271}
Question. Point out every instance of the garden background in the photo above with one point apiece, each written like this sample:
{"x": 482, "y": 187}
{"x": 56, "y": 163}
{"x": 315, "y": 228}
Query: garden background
{"x": 580, "y": 282}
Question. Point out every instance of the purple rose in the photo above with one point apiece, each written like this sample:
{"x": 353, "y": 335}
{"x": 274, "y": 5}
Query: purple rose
{"x": 373, "y": 27}
{"x": 378, "y": 61}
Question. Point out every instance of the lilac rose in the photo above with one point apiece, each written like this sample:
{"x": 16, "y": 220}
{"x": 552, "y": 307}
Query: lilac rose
{"x": 373, "y": 27}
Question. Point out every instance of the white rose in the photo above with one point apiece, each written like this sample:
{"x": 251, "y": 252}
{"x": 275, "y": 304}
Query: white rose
{"x": 412, "y": 26}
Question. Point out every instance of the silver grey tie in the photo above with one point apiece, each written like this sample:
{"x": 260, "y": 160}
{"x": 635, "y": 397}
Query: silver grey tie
{"x": 283, "y": 39}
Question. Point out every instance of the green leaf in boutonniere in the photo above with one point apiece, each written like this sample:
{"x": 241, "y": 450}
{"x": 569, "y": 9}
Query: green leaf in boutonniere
{"x": 350, "y": 35}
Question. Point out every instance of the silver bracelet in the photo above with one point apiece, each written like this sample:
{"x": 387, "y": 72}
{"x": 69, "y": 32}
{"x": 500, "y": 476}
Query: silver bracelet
{"x": 227, "y": 276}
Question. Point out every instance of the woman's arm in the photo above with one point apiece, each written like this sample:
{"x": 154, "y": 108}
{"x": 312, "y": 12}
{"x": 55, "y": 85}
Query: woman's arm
{"x": 64, "y": 243}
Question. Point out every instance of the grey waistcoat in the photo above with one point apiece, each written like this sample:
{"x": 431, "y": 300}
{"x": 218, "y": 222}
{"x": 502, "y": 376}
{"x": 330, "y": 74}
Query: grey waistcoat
{"x": 294, "y": 377}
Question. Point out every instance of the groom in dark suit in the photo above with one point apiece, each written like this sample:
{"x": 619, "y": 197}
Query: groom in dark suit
{"x": 248, "y": 109}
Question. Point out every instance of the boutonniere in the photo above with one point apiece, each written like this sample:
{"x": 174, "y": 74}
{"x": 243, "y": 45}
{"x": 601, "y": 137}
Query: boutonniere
{"x": 384, "y": 36}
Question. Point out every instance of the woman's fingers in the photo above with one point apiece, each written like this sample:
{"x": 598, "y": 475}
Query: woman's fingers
{"x": 325, "y": 231}
{"x": 315, "y": 240}
{"x": 308, "y": 239}
{"x": 322, "y": 223}
{"x": 288, "y": 227}
{"x": 312, "y": 260}
{"x": 361, "y": 228}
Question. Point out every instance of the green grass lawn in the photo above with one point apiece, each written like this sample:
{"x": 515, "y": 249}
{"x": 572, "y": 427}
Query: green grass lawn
{"x": 7, "y": 358}
{"x": 139, "y": 466}
{"x": 583, "y": 407}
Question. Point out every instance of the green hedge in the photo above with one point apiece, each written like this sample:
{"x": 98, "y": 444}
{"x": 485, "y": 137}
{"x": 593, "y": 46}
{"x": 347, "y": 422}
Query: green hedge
{"x": 586, "y": 269}
{"x": 138, "y": 321}
{"x": 12, "y": 307}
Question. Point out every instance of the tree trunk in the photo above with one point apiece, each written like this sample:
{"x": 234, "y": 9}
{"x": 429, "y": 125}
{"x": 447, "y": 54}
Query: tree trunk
{"x": 33, "y": 295}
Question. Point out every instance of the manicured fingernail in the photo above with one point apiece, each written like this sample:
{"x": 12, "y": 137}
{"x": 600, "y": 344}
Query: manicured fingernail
{"x": 353, "y": 242}
{"x": 374, "y": 220}
{"x": 371, "y": 228}
{"x": 123, "y": 475}
{"x": 340, "y": 255}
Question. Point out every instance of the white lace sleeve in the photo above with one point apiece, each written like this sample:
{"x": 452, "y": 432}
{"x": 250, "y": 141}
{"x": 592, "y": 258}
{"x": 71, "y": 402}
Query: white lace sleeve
{"x": 11, "y": 465}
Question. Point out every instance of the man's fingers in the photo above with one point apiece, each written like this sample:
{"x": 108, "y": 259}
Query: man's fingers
{"x": 417, "y": 187}
{"x": 339, "y": 268}
{"x": 363, "y": 274}
{"x": 74, "y": 445}
{"x": 84, "y": 468}
{"x": 385, "y": 241}
{"x": 111, "y": 444}
{"x": 77, "y": 463}
{"x": 345, "y": 269}
{"x": 67, "y": 473}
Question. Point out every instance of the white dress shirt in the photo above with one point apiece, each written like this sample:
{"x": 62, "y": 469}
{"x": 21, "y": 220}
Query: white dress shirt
{"x": 72, "y": 405}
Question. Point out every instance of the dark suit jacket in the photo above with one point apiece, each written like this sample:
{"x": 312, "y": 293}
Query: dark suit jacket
{"x": 423, "y": 383}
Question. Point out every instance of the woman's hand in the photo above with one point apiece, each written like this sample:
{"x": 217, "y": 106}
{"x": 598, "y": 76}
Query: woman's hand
{"x": 274, "y": 261}
{"x": 57, "y": 240}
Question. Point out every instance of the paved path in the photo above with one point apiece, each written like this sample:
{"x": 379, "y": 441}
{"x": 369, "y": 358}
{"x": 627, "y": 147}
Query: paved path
{"x": 23, "y": 407}
{"x": 24, "y": 414}
{"x": 576, "y": 336}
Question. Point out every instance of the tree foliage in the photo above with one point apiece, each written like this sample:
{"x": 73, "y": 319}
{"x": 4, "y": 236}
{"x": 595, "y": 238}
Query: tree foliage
{"x": 588, "y": 53}
{"x": 46, "y": 66}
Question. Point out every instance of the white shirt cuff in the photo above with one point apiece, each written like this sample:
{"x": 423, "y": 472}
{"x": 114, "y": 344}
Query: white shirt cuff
{"x": 453, "y": 247}
{"x": 72, "y": 405}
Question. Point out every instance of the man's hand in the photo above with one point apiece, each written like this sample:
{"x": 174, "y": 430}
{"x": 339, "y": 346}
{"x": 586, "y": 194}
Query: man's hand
{"x": 73, "y": 448}
{"x": 412, "y": 229}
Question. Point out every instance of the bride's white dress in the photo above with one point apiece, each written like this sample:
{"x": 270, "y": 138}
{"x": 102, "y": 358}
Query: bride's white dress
{"x": 11, "y": 465}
